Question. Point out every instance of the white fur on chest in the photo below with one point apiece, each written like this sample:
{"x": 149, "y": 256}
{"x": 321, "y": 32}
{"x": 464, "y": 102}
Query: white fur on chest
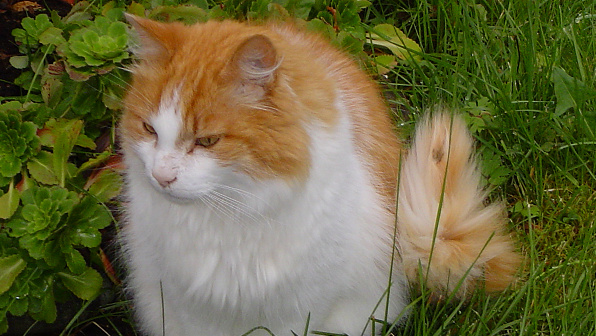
{"x": 268, "y": 255}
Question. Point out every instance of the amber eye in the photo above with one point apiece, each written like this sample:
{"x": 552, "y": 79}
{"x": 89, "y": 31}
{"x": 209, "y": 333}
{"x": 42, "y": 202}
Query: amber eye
{"x": 207, "y": 141}
{"x": 149, "y": 128}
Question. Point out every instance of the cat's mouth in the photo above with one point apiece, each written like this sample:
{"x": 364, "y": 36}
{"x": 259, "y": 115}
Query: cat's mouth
{"x": 178, "y": 194}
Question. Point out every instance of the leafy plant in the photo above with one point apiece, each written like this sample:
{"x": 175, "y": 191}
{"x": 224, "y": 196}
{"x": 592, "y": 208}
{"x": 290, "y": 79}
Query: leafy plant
{"x": 35, "y": 30}
{"x": 51, "y": 223}
{"x": 18, "y": 143}
{"x": 51, "y": 212}
{"x": 103, "y": 42}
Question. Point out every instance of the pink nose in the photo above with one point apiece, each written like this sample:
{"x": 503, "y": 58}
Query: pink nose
{"x": 164, "y": 176}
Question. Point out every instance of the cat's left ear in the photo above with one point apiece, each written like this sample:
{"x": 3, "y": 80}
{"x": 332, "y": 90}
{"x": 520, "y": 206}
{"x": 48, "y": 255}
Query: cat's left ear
{"x": 155, "y": 39}
{"x": 256, "y": 61}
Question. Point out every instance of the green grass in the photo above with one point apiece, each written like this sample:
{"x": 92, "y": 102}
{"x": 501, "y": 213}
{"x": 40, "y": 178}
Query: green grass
{"x": 524, "y": 71}
{"x": 516, "y": 67}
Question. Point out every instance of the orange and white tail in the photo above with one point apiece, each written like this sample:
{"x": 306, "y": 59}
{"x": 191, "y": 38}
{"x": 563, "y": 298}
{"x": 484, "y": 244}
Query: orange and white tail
{"x": 448, "y": 236}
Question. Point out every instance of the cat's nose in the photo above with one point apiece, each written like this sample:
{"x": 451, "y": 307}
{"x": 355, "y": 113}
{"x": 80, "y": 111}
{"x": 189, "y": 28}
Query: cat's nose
{"x": 164, "y": 177}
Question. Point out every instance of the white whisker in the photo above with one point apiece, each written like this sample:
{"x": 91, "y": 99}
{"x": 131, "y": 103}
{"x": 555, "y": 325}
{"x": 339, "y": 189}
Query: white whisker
{"x": 238, "y": 207}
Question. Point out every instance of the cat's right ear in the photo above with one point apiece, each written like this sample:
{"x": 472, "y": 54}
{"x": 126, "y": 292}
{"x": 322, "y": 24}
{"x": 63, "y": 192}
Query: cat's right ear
{"x": 151, "y": 39}
{"x": 253, "y": 69}
{"x": 256, "y": 60}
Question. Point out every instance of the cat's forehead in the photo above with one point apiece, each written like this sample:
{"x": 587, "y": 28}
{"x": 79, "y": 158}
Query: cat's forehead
{"x": 168, "y": 120}
{"x": 188, "y": 107}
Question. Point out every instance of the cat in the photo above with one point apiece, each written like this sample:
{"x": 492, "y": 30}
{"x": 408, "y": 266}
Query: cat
{"x": 261, "y": 183}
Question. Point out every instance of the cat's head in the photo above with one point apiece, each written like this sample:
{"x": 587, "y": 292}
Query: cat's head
{"x": 214, "y": 102}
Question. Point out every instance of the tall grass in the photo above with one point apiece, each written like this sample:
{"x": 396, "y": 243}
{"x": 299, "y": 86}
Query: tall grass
{"x": 516, "y": 66}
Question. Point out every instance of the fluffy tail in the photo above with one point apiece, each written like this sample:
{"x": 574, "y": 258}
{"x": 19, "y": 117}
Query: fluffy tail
{"x": 446, "y": 232}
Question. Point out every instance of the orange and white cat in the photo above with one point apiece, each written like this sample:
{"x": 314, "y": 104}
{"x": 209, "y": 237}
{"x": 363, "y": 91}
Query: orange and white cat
{"x": 262, "y": 171}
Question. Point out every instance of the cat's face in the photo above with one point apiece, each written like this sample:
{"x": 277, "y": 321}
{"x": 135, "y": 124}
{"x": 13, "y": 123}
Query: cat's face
{"x": 209, "y": 106}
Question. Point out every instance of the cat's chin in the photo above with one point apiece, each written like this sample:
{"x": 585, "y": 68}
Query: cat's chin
{"x": 177, "y": 197}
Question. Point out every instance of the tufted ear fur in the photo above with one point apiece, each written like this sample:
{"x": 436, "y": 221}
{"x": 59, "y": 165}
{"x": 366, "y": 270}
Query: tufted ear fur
{"x": 153, "y": 39}
{"x": 255, "y": 62}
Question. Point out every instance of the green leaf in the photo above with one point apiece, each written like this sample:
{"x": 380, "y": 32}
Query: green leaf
{"x": 29, "y": 25}
{"x": 42, "y": 22}
{"x": 362, "y": 3}
{"x": 117, "y": 29}
{"x": 52, "y": 252}
{"x": 19, "y": 62}
{"x": 10, "y": 267}
{"x": 12, "y": 105}
{"x": 321, "y": 27}
{"x": 350, "y": 43}
{"x": 18, "y": 142}
{"x": 570, "y": 92}
{"x": 33, "y": 28}
{"x": 136, "y": 8}
{"x": 85, "y": 221}
{"x": 51, "y": 84}
{"x": 18, "y": 227}
{"x": 101, "y": 24}
{"x": 85, "y": 285}
{"x": 52, "y": 35}
{"x": 85, "y": 141}
{"x": 95, "y": 161}
{"x": 41, "y": 168}
{"x": 19, "y": 34}
{"x": 493, "y": 168}
{"x": 75, "y": 261}
{"x": 91, "y": 38}
{"x": 34, "y": 246}
{"x": 93, "y": 214}
{"x": 19, "y": 307}
{"x": 384, "y": 63}
{"x": 66, "y": 133}
{"x": 9, "y": 202}
{"x": 101, "y": 43}
{"x": 106, "y": 186}
{"x": 79, "y": 48}
{"x": 47, "y": 307}
{"x": 526, "y": 209}
{"x": 394, "y": 39}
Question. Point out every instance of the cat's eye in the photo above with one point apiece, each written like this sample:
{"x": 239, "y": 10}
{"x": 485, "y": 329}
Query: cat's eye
{"x": 149, "y": 128}
{"x": 207, "y": 141}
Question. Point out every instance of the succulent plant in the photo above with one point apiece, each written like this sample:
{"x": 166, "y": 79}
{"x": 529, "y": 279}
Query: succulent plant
{"x": 53, "y": 221}
{"x": 40, "y": 252}
{"x": 18, "y": 143}
{"x": 102, "y": 43}
{"x": 32, "y": 30}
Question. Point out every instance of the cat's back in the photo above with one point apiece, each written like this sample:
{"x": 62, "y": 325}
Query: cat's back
{"x": 373, "y": 133}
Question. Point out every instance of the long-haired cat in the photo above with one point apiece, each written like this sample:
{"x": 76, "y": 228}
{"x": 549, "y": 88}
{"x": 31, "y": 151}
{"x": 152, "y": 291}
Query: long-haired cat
{"x": 262, "y": 175}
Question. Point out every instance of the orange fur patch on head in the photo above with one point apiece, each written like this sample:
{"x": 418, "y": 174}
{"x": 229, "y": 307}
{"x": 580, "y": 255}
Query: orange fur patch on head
{"x": 241, "y": 82}
{"x": 258, "y": 86}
